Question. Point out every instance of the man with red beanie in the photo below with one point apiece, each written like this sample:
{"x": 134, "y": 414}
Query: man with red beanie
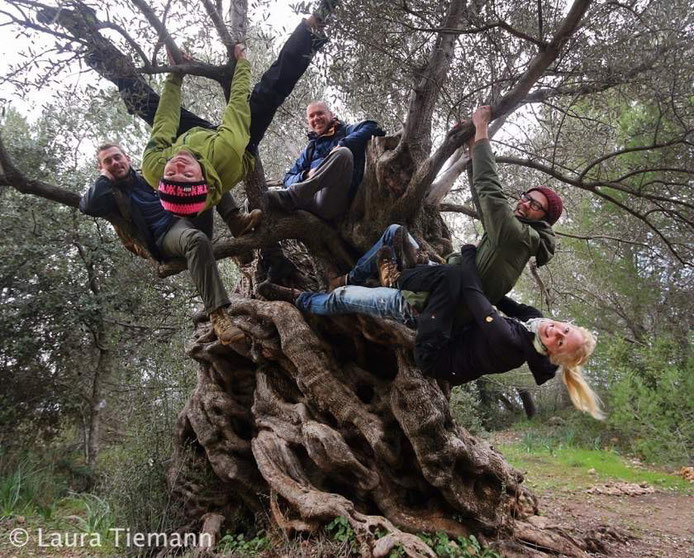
{"x": 511, "y": 237}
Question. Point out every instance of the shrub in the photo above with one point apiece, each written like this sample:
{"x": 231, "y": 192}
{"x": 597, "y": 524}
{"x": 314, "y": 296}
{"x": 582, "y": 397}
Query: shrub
{"x": 652, "y": 403}
{"x": 31, "y": 483}
{"x": 133, "y": 481}
{"x": 465, "y": 408}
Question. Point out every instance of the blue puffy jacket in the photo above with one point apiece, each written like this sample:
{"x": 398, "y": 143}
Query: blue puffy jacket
{"x": 354, "y": 137}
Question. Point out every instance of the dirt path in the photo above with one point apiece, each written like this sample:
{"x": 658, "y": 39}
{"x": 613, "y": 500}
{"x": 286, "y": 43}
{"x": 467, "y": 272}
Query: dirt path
{"x": 661, "y": 524}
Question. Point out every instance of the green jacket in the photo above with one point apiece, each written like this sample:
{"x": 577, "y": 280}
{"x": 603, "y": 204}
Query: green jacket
{"x": 221, "y": 153}
{"x": 508, "y": 242}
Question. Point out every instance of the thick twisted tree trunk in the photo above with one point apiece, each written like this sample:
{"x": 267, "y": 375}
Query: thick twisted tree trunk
{"x": 317, "y": 418}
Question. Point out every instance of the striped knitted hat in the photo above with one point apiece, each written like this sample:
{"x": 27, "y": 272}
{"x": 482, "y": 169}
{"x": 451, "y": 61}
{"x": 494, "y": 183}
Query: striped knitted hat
{"x": 183, "y": 198}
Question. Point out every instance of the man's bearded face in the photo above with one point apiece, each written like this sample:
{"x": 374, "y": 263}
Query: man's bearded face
{"x": 115, "y": 162}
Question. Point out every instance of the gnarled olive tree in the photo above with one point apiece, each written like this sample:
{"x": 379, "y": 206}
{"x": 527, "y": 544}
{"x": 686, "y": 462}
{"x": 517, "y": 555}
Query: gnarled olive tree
{"x": 313, "y": 418}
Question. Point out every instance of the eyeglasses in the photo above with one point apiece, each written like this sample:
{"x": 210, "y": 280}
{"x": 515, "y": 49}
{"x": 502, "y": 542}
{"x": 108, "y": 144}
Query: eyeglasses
{"x": 534, "y": 204}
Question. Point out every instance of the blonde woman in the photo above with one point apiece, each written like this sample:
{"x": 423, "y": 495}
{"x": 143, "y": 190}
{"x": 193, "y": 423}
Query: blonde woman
{"x": 493, "y": 343}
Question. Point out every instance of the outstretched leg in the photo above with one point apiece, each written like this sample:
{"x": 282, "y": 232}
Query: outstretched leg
{"x": 279, "y": 80}
{"x": 381, "y": 302}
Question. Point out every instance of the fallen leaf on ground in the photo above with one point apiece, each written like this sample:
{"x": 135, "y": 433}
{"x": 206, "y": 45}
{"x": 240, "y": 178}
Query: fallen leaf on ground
{"x": 687, "y": 473}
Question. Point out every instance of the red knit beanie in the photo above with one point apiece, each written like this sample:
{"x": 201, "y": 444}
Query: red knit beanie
{"x": 554, "y": 203}
{"x": 184, "y": 199}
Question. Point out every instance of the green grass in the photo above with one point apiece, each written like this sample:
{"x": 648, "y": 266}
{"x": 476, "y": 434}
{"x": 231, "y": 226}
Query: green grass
{"x": 565, "y": 468}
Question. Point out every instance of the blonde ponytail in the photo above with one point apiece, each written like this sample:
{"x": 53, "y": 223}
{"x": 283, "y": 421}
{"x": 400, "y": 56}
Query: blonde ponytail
{"x": 580, "y": 393}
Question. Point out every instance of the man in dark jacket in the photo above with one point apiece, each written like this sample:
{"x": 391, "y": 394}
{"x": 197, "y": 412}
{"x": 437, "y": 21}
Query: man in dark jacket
{"x": 122, "y": 195}
{"x": 325, "y": 177}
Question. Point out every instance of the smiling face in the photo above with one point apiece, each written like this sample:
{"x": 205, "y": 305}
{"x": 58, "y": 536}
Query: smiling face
{"x": 318, "y": 116}
{"x": 525, "y": 209}
{"x": 114, "y": 161}
{"x": 559, "y": 337}
{"x": 183, "y": 167}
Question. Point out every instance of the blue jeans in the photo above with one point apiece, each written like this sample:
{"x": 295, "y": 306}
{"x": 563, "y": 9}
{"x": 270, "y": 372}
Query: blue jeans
{"x": 381, "y": 302}
{"x": 366, "y": 268}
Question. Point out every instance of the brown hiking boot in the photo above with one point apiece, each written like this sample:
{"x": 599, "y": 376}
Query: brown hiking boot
{"x": 241, "y": 223}
{"x": 335, "y": 282}
{"x": 388, "y": 273}
{"x": 226, "y": 332}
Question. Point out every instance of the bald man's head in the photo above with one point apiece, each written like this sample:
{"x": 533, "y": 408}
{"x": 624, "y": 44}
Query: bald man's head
{"x": 319, "y": 116}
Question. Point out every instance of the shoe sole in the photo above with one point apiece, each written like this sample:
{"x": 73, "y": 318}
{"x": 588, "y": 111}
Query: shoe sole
{"x": 404, "y": 251}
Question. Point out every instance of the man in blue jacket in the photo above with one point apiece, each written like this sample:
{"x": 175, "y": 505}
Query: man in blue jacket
{"x": 325, "y": 177}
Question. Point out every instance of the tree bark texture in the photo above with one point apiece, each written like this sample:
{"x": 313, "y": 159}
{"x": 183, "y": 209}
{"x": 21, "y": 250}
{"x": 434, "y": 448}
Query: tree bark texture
{"x": 317, "y": 418}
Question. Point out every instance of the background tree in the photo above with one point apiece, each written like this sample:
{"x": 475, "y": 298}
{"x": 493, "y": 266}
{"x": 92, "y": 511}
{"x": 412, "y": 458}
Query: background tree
{"x": 329, "y": 417}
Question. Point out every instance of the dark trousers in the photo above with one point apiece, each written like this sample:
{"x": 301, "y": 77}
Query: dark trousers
{"x": 435, "y": 323}
{"x": 438, "y": 333}
{"x": 185, "y": 240}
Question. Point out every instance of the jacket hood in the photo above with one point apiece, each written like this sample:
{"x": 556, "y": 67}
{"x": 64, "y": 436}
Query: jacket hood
{"x": 548, "y": 240}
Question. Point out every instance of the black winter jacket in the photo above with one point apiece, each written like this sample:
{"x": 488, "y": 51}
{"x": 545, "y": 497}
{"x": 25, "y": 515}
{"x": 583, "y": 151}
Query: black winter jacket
{"x": 493, "y": 343}
{"x": 494, "y": 348}
{"x": 108, "y": 198}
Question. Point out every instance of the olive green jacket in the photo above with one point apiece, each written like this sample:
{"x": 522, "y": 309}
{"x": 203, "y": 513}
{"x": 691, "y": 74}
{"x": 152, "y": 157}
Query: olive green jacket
{"x": 508, "y": 242}
{"x": 221, "y": 153}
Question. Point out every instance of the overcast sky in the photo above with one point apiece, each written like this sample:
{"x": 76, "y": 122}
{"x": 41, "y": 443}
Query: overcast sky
{"x": 279, "y": 17}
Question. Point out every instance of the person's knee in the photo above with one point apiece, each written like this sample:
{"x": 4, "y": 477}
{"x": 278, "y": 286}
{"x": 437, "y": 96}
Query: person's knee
{"x": 344, "y": 156}
{"x": 196, "y": 241}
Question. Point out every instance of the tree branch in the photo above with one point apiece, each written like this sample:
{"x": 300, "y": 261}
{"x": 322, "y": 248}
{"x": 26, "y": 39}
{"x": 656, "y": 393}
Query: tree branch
{"x": 10, "y": 175}
{"x": 221, "y": 28}
{"x": 118, "y": 29}
{"x": 593, "y": 187}
{"x": 238, "y": 10}
{"x": 602, "y": 237}
{"x": 409, "y": 203}
{"x": 612, "y": 79}
{"x": 417, "y": 129}
{"x": 455, "y": 208}
{"x": 160, "y": 28}
{"x": 456, "y": 166}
